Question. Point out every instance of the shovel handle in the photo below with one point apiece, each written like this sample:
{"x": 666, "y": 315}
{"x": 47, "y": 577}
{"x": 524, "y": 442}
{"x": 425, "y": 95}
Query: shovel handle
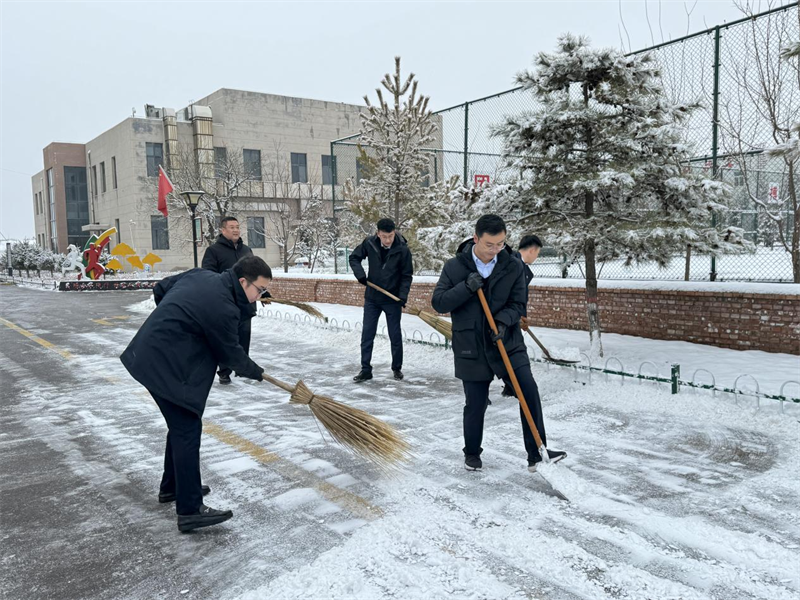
{"x": 538, "y": 343}
{"x": 511, "y": 375}
{"x": 383, "y": 291}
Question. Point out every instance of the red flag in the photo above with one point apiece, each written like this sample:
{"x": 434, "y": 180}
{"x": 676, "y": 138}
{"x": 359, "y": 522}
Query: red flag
{"x": 164, "y": 188}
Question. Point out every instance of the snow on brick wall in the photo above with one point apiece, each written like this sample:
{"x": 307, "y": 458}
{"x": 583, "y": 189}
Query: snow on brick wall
{"x": 728, "y": 319}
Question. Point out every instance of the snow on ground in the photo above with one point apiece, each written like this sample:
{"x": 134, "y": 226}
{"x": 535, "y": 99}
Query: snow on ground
{"x": 672, "y": 496}
{"x": 770, "y": 370}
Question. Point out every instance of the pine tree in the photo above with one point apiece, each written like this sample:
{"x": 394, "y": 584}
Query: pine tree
{"x": 602, "y": 169}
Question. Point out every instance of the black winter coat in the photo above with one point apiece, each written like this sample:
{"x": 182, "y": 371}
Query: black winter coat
{"x": 528, "y": 274}
{"x": 394, "y": 275}
{"x": 476, "y": 356}
{"x": 222, "y": 256}
{"x": 194, "y": 328}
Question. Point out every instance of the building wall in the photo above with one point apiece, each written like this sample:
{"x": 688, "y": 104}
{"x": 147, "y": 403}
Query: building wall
{"x": 40, "y": 210}
{"x": 57, "y": 156}
{"x": 738, "y": 320}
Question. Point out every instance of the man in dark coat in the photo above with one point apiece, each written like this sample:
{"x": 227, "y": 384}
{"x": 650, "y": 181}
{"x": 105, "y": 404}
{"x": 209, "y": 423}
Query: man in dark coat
{"x": 174, "y": 355}
{"x": 225, "y": 253}
{"x": 529, "y": 248}
{"x": 390, "y": 267}
{"x": 483, "y": 263}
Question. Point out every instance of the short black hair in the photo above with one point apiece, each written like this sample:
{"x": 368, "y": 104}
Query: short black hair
{"x": 491, "y": 224}
{"x": 226, "y": 219}
{"x": 386, "y": 225}
{"x": 530, "y": 240}
{"x": 251, "y": 268}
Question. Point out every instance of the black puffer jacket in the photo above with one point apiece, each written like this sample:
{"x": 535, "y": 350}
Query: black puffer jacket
{"x": 194, "y": 328}
{"x": 222, "y": 256}
{"x": 394, "y": 275}
{"x": 476, "y": 356}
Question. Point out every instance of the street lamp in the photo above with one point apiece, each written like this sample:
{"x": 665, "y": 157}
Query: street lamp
{"x": 192, "y": 198}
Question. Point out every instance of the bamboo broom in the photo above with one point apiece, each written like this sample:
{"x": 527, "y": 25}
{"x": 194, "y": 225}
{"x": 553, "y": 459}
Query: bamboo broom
{"x": 301, "y": 305}
{"x": 441, "y": 325}
{"x": 366, "y": 435}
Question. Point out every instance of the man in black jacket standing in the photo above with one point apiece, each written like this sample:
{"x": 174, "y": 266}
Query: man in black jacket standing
{"x": 174, "y": 355}
{"x": 529, "y": 248}
{"x": 483, "y": 263}
{"x": 225, "y": 253}
{"x": 390, "y": 267}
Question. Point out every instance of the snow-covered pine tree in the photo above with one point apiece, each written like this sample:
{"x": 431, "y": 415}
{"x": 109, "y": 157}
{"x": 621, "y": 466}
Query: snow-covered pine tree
{"x": 602, "y": 168}
{"x": 395, "y": 158}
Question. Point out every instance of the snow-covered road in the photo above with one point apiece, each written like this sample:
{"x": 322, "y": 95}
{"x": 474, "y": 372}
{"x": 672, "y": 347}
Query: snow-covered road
{"x": 677, "y": 496}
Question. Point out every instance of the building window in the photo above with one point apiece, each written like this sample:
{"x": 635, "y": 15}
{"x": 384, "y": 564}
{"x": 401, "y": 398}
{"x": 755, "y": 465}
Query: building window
{"x": 299, "y": 168}
{"x": 255, "y": 232}
{"x": 51, "y": 196}
{"x": 119, "y": 232}
{"x": 77, "y": 204}
{"x": 221, "y": 162}
{"x": 159, "y": 232}
{"x": 359, "y": 171}
{"x": 738, "y": 179}
{"x": 155, "y": 158}
{"x": 94, "y": 181}
{"x": 252, "y": 164}
{"x": 114, "y": 172}
{"x": 328, "y": 169}
{"x": 36, "y": 203}
{"x": 103, "y": 177}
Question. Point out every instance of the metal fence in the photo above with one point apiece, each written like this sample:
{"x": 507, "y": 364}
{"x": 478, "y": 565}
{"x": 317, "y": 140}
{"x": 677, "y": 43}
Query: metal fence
{"x": 712, "y": 67}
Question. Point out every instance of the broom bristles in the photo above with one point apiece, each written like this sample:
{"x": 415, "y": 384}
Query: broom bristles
{"x": 301, "y": 305}
{"x": 358, "y": 430}
{"x": 441, "y": 325}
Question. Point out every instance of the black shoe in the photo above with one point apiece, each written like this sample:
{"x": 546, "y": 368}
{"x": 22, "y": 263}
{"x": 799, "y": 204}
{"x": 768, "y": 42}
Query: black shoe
{"x": 225, "y": 379}
{"x": 508, "y": 391}
{"x": 363, "y": 376}
{"x": 472, "y": 462}
{"x": 398, "y": 374}
{"x": 555, "y": 456}
{"x": 164, "y": 498}
{"x": 202, "y": 518}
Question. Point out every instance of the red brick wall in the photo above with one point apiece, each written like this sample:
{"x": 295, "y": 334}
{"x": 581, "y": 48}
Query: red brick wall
{"x": 743, "y": 321}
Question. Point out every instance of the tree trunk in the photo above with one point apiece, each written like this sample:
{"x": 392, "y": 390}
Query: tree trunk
{"x": 688, "y": 269}
{"x": 592, "y": 310}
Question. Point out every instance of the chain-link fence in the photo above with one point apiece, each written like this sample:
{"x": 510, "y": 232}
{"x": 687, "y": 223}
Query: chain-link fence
{"x": 745, "y": 92}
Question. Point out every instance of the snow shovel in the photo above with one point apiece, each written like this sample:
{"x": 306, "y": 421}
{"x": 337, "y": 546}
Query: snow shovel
{"x": 513, "y": 377}
{"x": 547, "y": 356}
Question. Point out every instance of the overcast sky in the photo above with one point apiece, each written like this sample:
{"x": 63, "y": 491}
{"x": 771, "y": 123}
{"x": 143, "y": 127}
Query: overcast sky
{"x": 71, "y": 70}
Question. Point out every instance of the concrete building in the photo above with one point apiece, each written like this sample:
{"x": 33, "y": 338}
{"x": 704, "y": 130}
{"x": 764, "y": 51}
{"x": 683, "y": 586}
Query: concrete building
{"x": 253, "y": 154}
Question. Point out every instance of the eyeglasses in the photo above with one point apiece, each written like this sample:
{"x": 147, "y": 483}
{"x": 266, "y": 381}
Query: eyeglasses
{"x": 261, "y": 291}
{"x": 498, "y": 246}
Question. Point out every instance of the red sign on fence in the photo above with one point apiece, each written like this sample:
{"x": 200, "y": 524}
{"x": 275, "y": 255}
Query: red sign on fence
{"x": 481, "y": 180}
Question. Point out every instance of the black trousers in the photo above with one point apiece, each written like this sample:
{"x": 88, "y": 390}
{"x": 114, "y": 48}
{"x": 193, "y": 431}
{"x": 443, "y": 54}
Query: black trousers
{"x": 372, "y": 312}
{"x": 244, "y": 342}
{"x": 477, "y": 399}
{"x": 181, "y": 456}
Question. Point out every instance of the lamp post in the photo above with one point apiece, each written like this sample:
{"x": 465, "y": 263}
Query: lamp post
{"x": 192, "y": 198}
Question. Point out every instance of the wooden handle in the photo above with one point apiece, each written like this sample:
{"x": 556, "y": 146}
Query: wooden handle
{"x": 383, "y": 291}
{"x": 538, "y": 343}
{"x": 278, "y": 382}
{"x": 511, "y": 375}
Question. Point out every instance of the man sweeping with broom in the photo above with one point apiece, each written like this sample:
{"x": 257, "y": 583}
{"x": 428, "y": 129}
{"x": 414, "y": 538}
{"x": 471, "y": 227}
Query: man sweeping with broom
{"x": 484, "y": 265}
{"x": 175, "y": 353}
{"x": 391, "y": 269}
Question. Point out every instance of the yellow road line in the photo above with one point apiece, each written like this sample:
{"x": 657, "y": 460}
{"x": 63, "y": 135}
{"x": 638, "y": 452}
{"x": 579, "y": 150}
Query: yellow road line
{"x": 107, "y": 320}
{"x": 351, "y": 502}
{"x": 36, "y": 338}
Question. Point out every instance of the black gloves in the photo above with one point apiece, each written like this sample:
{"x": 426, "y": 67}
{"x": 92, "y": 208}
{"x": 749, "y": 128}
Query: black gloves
{"x": 403, "y": 302}
{"x": 501, "y": 331}
{"x": 362, "y": 280}
{"x": 266, "y": 295}
{"x": 474, "y": 282}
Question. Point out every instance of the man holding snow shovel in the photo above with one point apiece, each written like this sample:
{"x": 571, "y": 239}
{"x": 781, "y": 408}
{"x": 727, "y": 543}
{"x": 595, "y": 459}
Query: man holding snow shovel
{"x": 529, "y": 248}
{"x": 482, "y": 263}
{"x": 175, "y": 353}
{"x": 391, "y": 269}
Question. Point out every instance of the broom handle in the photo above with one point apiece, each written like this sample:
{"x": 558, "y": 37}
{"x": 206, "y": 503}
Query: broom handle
{"x": 383, "y": 291}
{"x": 278, "y": 382}
{"x": 511, "y": 375}
{"x": 538, "y": 343}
